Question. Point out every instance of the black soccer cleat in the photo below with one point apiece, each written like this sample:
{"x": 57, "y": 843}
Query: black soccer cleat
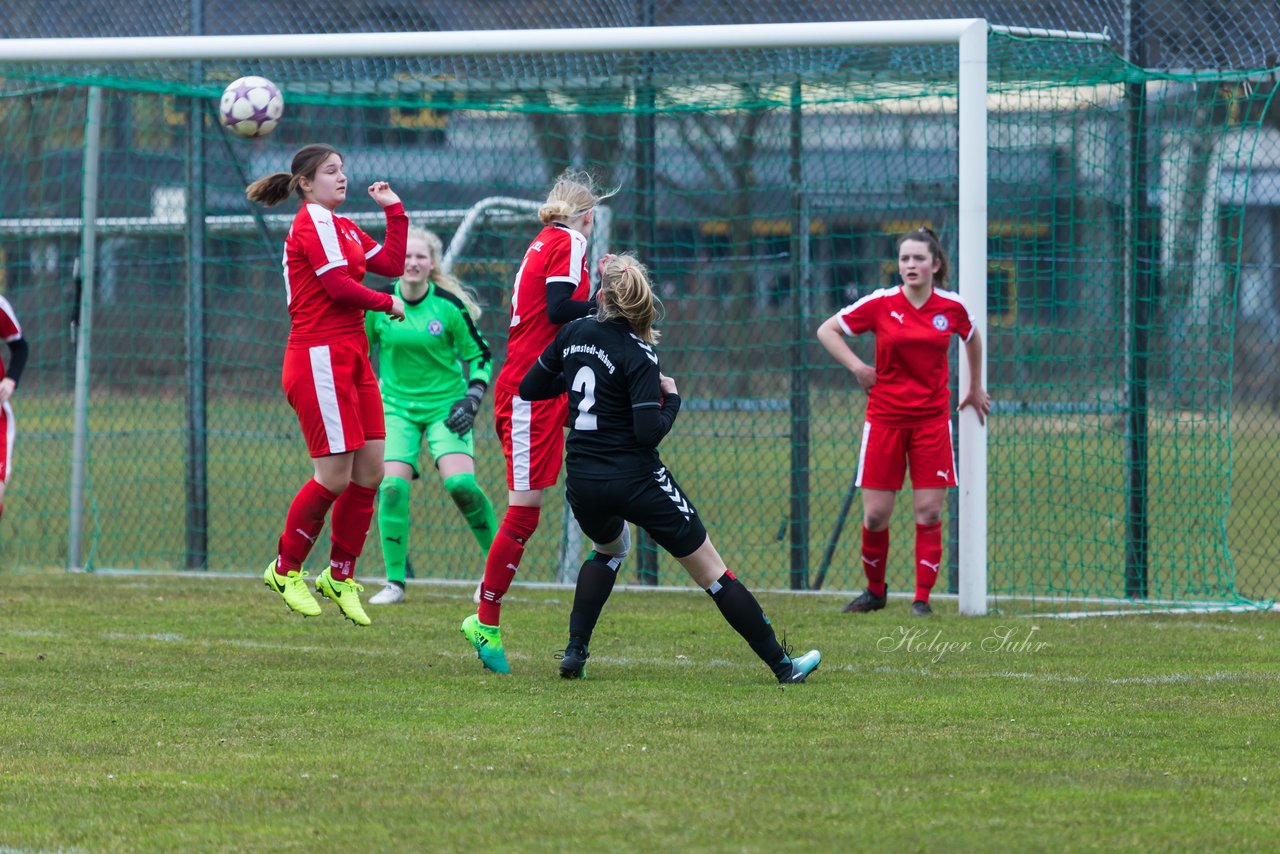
{"x": 868, "y": 601}
{"x": 573, "y": 660}
{"x": 921, "y": 609}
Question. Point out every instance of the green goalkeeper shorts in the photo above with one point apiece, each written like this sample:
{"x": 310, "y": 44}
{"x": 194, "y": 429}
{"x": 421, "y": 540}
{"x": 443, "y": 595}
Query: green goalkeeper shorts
{"x": 404, "y": 438}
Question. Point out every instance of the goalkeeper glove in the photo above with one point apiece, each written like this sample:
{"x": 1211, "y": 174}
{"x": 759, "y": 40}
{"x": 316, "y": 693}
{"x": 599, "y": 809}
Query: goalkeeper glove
{"x": 463, "y": 413}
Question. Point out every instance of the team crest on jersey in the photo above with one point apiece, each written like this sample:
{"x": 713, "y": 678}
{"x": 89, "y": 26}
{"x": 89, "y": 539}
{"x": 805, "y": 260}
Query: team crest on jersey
{"x": 940, "y": 322}
{"x": 435, "y": 327}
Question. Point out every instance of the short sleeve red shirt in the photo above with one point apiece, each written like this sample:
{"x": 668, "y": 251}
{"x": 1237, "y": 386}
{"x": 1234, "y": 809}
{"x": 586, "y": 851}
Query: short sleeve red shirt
{"x": 912, "y": 378}
{"x": 557, "y": 254}
{"x": 318, "y": 242}
{"x": 10, "y": 329}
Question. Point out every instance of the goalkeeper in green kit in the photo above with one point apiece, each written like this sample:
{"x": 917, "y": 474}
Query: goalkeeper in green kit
{"x": 424, "y": 391}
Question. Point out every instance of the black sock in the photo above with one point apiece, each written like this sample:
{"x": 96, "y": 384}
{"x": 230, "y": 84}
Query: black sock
{"x": 743, "y": 612}
{"x": 595, "y": 583}
{"x": 399, "y": 584}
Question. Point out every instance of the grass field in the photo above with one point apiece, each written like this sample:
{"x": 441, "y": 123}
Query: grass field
{"x": 164, "y": 713}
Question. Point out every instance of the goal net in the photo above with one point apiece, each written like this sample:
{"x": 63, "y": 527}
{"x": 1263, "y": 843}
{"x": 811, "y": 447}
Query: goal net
{"x": 764, "y": 187}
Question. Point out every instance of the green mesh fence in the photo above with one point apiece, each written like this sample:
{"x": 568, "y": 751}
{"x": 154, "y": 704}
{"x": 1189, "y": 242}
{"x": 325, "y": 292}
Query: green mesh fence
{"x": 764, "y": 190}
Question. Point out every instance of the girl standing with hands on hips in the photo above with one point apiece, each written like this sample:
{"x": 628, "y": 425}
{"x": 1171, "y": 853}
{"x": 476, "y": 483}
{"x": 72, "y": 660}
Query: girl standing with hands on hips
{"x": 908, "y": 421}
{"x": 327, "y": 376}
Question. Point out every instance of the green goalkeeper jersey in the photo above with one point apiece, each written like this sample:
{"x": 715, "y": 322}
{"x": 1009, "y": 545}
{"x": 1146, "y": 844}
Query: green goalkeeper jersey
{"x": 420, "y": 358}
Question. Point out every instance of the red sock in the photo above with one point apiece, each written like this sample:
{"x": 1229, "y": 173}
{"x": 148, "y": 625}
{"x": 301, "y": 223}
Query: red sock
{"x": 875, "y": 551}
{"x": 928, "y": 558}
{"x": 352, "y": 513}
{"x": 500, "y": 566}
{"x": 302, "y": 525}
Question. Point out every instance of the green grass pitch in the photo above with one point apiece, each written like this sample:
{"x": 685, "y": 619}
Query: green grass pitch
{"x": 194, "y": 713}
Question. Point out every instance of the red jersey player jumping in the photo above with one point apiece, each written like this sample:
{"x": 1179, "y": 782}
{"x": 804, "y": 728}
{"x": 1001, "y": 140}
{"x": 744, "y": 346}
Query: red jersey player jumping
{"x": 908, "y": 422}
{"x": 552, "y": 287}
{"x": 327, "y": 376}
{"x": 11, "y": 334}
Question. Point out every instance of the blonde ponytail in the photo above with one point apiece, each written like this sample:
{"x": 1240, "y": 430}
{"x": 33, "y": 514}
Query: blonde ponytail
{"x": 573, "y": 195}
{"x": 625, "y": 292}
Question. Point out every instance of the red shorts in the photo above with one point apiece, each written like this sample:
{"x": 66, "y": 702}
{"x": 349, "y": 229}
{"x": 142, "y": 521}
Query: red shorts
{"x": 334, "y": 392}
{"x": 532, "y": 436}
{"x": 888, "y": 451}
{"x": 6, "y": 441}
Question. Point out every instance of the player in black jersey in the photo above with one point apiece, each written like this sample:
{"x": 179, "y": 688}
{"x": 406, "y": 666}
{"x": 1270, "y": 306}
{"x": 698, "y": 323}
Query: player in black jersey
{"x": 620, "y": 407}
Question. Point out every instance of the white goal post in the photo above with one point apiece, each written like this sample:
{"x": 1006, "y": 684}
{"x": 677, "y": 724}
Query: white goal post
{"x": 969, "y": 34}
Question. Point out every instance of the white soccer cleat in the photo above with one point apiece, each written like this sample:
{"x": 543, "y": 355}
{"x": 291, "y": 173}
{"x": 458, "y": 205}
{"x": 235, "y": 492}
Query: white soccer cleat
{"x": 392, "y": 594}
{"x": 475, "y": 597}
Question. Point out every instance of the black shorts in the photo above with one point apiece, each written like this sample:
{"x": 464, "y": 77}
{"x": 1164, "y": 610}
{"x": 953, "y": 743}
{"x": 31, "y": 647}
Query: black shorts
{"x": 652, "y": 500}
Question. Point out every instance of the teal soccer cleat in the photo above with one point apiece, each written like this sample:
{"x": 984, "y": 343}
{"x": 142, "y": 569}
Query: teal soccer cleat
{"x": 487, "y": 641}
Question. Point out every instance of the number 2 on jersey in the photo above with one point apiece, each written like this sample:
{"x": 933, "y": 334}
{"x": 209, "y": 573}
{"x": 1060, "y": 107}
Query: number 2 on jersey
{"x": 584, "y": 381}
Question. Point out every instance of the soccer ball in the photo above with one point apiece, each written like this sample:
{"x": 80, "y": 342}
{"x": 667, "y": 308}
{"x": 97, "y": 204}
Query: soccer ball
{"x": 251, "y": 106}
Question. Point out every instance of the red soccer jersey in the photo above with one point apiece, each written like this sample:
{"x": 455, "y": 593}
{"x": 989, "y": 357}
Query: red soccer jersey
{"x": 320, "y": 241}
{"x": 558, "y": 254}
{"x": 10, "y": 329}
{"x": 912, "y": 385}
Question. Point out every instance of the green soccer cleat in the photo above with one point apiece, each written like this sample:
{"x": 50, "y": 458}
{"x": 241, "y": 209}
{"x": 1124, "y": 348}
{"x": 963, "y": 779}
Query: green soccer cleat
{"x": 487, "y": 641}
{"x": 293, "y": 587}
{"x": 346, "y": 594}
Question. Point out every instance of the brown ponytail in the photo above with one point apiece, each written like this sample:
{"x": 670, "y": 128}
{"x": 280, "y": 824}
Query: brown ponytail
{"x": 276, "y": 187}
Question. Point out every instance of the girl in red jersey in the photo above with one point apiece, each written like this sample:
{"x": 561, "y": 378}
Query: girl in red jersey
{"x": 11, "y": 334}
{"x": 327, "y": 377}
{"x": 908, "y": 422}
{"x": 552, "y": 287}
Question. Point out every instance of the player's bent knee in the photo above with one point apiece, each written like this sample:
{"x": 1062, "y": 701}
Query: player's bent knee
{"x": 465, "y": 492}
{"x": 619, "y": 546}
{"x": 394, "y": 492}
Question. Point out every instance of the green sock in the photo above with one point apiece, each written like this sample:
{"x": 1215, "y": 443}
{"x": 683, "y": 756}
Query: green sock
{"x": 393, "y": 524}
{"x": 476, "y": 508}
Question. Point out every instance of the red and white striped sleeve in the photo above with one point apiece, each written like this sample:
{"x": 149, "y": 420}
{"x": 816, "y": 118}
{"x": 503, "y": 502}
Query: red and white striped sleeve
{"x": 317, "y": 238}
{"x": 565, "y": 257}
{"x": 10, "y": 328}
{"x": 859, "y": 317}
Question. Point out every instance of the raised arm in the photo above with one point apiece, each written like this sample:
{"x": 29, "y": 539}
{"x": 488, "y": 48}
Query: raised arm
{"x": 387, "y": 259}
